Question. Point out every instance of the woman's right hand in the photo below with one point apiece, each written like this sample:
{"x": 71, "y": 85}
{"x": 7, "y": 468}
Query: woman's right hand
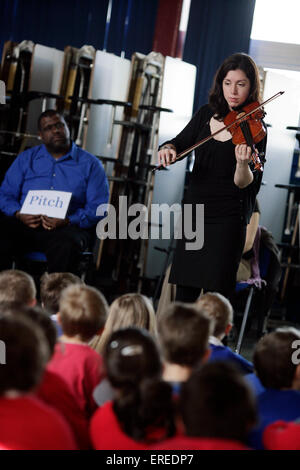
{"x": 167, "y": 155}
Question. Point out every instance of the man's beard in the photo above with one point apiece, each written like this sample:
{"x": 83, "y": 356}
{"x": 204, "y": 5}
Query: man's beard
{"x": 59, "y": 146}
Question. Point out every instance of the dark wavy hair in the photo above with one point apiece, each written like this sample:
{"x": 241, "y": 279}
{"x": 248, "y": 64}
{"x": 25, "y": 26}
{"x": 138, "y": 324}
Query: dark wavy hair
{"x": 238, "y": 61}
{"x": 144, "y": 402}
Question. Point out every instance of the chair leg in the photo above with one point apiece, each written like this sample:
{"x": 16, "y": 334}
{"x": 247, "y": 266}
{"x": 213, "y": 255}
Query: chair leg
{"x": 245, "y": 317}
{"x": 261, "y": 315}
{"x": 85, "y": 264}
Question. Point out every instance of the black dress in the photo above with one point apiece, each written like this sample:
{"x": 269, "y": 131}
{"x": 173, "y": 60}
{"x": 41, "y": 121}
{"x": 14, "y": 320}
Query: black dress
{"x": 227, "y": 210}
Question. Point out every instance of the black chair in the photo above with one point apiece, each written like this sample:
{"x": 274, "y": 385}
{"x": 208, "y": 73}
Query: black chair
{"x": 263, "y": 292}
{"x": 36, "y": 262}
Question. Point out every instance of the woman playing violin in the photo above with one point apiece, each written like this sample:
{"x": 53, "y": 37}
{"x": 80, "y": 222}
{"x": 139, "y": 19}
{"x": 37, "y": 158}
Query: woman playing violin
{"x": 221, "y": 179}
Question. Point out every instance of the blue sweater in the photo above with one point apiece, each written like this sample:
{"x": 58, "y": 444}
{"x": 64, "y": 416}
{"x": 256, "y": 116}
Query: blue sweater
{"x": 223, "y": 353}
{"x": 255, "y": 384}
{"x": 274, "y": 405}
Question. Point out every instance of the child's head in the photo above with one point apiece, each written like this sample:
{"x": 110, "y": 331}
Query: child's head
{"x": 17, "y": 286}
{"x": 216, "y": 403}
{"x": 128, "y": 310}
{"x": 82, "y": 311}
{"x": 273, "y": 358}
{"x": 133, "y": 367}
{"x": 131, "y": 355}
{"x": 26, "y": 354}
{"x": 52, "y": 286}
{"x": 219, "y": 309}
{"x": 131, "y": 310}
{"x": 38, "y": 317}
{"x": 183, "y": 331}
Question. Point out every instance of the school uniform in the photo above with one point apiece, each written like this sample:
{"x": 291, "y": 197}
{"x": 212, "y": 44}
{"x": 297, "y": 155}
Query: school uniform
{"x": 81, "y": 367}
{"x": 28, "y": 424}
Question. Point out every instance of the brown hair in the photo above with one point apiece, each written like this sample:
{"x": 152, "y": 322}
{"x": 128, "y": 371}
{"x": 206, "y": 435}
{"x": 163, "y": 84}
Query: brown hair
{"x": 218, "y": 308}
{"x": 52, "y": 286}
{"x": 26, "y": 352}
{"x": 127, "y": 310}
{"x": 16, "y": 286}
{"x": 40, "y": 318}
{"x": 134, "y": 367}
{"x": 216, "y": 402}
{"x": 183, "y": 332}
{"x": 83, "y": 311}
{"x": 238, "y": 61}
{"x": 273, "y": 358}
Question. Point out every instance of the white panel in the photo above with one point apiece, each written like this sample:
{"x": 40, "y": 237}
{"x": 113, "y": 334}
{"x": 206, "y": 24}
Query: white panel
{"x": 46, "y": 70}
{"x": 178, "y": 95}
{"x": 110, "y": 81}
{"x": 275, "y": 54}
{"x": 281, "y": 113}
{"x": 272, "y": 200}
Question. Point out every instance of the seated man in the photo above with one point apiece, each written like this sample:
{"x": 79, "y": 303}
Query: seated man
{"x": 60, "y": 165}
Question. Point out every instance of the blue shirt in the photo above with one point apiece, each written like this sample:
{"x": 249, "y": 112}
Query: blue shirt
{"x": 77, "y": 172}
{"x": 223, "y": 353}
{"x": 255, "y": 384}
{"x": 274, "y": 405}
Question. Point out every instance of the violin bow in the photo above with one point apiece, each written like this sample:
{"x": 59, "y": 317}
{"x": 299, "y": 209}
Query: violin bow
{"x": 181, "y": 155}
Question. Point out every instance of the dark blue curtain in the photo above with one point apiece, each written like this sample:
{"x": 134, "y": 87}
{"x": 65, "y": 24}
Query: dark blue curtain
{"x": 58, "y": 23}
{"x": 132, "y": 26}
{"x": 216, "y": 29}
{"x": 55, "y": 23}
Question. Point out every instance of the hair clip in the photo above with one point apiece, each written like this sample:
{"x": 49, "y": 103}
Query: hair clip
{"x": 132, "y": 350}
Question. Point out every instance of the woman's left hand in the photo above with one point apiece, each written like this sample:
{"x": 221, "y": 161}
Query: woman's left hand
{"x": 243, "y": 154}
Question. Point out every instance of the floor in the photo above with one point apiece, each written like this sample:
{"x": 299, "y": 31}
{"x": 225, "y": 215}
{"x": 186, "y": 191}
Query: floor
{"x": 277, "y": 319}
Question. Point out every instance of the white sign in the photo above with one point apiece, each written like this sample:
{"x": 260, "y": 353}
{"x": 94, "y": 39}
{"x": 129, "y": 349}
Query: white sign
{"x": 45, "y": 202}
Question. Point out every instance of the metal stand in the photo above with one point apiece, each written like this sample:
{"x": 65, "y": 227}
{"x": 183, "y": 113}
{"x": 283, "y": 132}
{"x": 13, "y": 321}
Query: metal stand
{"x": 244, "y": 322}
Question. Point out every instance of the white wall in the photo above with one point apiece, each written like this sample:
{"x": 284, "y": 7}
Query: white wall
{"x": 276, "y": 55}
{"x": 282, "y": 112}
{"x": 178, "y": 95}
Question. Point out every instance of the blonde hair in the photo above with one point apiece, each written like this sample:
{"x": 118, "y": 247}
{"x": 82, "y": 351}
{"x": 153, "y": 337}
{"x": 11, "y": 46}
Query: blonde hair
{"x": 83, "y": 311}
{"x": 127, "y": 310}
{"x": 217, "y": 308}
{"x": 16, "y": 286}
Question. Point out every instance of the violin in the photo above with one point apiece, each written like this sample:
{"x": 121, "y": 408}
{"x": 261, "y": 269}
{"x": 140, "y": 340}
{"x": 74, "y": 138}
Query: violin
{"x": 249, "y": 130}
{"x": 247, "y": 127}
